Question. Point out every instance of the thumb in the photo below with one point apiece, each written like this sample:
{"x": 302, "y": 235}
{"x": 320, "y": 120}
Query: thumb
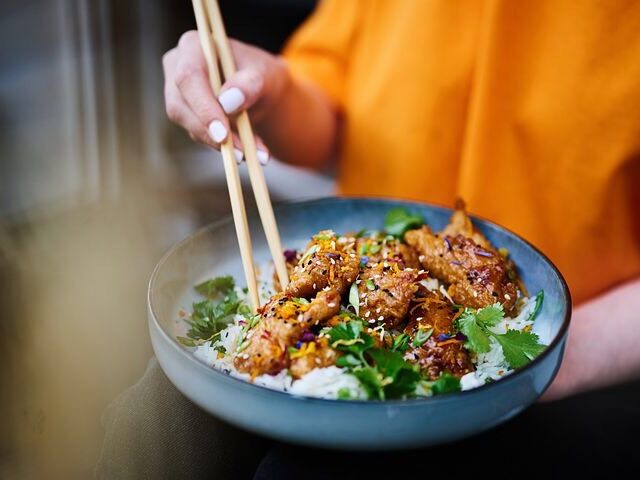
{"x": 242, "y": 90}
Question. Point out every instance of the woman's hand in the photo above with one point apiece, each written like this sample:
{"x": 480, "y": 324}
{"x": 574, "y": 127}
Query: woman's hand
{"x": 257, "y": 85}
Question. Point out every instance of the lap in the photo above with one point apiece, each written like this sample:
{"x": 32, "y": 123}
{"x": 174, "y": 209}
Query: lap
{"x": 153, "y": 431}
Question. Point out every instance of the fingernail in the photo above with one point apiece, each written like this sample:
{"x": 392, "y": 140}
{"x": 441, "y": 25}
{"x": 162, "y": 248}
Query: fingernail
{"x": 239, "y": 155}
{"x": 231, "y": 99}
{"x": 263, "y": 157}
{"x": 217, "y": 131}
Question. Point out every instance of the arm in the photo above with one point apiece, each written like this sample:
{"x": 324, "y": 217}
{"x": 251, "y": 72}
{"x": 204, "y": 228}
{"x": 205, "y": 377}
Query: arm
{"x": 603, "y": 345}
{"x": 296, "y": 121}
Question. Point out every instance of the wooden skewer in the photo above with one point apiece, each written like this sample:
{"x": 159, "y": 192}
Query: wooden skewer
{"x": 245, "y": 131}
{"x": 228, "y": 157}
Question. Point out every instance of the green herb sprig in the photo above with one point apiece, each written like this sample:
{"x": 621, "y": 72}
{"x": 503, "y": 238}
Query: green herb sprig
{"x": 518, "y": 347}
{"x": 213, "y": 314}
{"x": 382, "y": 373}
{"x": 399, "y": 220}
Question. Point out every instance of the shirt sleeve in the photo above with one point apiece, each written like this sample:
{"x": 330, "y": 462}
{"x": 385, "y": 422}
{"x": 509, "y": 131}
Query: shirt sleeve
{"x": 319, "y": 50}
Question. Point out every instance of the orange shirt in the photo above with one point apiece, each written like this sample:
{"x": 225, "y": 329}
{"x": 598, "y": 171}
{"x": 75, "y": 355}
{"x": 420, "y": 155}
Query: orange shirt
{"x": 529, "y": 110}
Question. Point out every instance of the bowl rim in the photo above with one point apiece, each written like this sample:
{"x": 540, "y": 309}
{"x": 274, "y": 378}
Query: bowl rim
{"x": 413, "y": 402}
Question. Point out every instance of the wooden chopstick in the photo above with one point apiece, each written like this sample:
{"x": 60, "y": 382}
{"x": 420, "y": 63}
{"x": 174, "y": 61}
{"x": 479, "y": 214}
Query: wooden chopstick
{"x": 245, "y": 131}
{"x": 228, "y": 157}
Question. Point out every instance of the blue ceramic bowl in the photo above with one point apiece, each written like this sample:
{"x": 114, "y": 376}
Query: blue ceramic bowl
{"x": 357, "y": 425}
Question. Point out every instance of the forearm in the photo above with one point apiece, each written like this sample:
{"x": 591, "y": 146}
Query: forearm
{"x": 602, "y": 347}
{"x": 301, "y": 127}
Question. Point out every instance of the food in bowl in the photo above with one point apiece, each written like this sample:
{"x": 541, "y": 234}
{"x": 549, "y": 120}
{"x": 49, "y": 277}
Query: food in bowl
{"x": 396, "y": 313}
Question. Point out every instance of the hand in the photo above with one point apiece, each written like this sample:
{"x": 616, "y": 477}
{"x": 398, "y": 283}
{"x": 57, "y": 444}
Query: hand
{"x": 257, "y": 85}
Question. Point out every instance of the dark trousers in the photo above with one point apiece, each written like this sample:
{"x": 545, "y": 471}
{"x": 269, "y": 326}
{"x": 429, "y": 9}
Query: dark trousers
{"x": 152, "y": 431}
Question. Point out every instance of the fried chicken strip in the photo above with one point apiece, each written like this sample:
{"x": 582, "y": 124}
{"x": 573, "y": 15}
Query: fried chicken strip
{"x": 431, "y": 311}
{"x": 326, "y": 263}
{"x": 385, "y": 291}
{"x": 377, "y": 249}
{"x": 283, "y": 321}
{"x": 478, "y": 276}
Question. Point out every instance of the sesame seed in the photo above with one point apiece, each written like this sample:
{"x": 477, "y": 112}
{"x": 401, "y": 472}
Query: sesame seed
{"x": 314, "y": 286}
{"x": 332, "y": 304}
{"x": 373, "y": 320}
{"x": 380, "y": 318}
{"x": 367, "y": 315}
{"x": 378, "y": 310}
{"x": 507, "y": 296}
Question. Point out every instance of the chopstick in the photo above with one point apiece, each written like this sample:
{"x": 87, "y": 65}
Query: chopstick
{"x": 229, "y": 161}
{"x": 245, "y": 131}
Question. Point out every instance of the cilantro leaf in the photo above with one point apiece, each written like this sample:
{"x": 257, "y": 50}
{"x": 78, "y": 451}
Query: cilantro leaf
{"x": 389, "y": 363}
{"x": 348, "y": 360}
{"x": 491, "y": 315}
{"x": 404, "y": 384}
{"x": 370, "y": 380}
{"x": 348, "y": 337}
{"x": 399, "y": 376}
{"x": 519, "y": 348}
{"x": 399, "y": 220}
{"x": 446, "y": 383}
{"x": 209, "y": 317}
{"x": 477, "y": 338}
{"x": 382, "y": 373}
{"x": 215, "y": 286}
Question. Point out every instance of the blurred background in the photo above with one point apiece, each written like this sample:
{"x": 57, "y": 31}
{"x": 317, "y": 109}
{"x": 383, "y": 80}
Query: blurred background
{"x": 95, "y": 184}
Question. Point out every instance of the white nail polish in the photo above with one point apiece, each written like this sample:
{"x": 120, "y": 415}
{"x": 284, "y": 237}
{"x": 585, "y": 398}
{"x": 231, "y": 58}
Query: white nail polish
{"x": 217, "y": 131}
{"x": 263, "y": 157}
{"x": 239, "y": 155}
{"x": 231, "y": 99}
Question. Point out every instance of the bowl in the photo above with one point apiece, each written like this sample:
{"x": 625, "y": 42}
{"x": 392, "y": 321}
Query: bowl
{"x": 356, "y": 425}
